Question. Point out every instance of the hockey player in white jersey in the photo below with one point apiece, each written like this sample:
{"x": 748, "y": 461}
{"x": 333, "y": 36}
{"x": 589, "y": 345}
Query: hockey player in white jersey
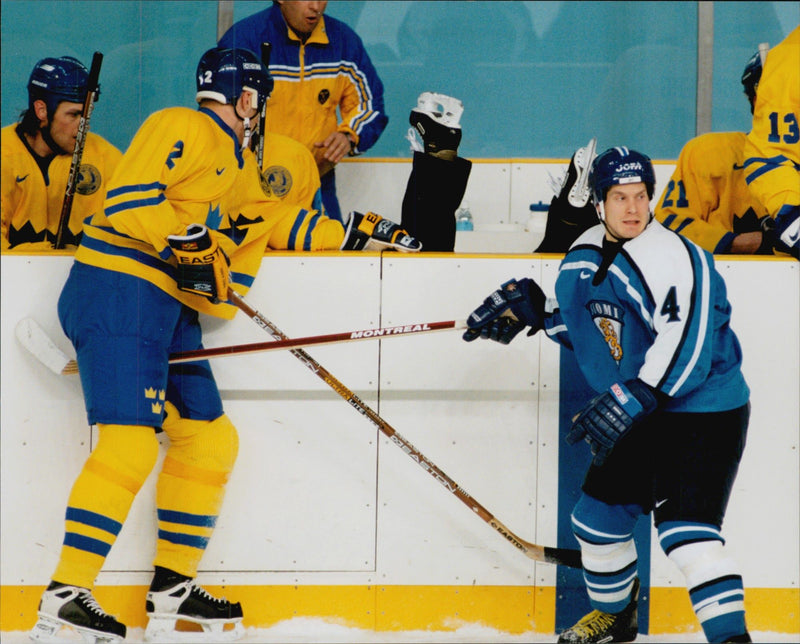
{"x": 646, "y": 314}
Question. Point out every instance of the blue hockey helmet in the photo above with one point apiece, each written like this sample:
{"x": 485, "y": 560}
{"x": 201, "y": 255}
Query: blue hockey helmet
{"x": 751, "y": 76}
{"x": 617, "y": 166}
{"x": 222, "y": 75}
{"x": 54, "y": 80}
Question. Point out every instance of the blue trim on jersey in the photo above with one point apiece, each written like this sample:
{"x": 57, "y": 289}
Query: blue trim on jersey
{"x": 87, "y": 544}
{"x": 237, "y": 147}
{"x": 136, "y": 203}
{"x": 138, "y": 187}
{"x": 131, "y": 253}
{"x": 311, "y": 225}
{"x": 242, "y": 278}
{"x": 191, "y": 540}
{"x": 725, "y": 242}
{"x": 94, "y": 520}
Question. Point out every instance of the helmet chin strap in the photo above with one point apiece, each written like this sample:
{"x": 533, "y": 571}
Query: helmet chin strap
{"x": 248, "y": 130}
{"x": 247, "y": 133}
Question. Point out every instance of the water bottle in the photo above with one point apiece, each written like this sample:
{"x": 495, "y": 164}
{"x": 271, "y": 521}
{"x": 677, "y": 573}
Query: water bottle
{"x": 464, "y": 218}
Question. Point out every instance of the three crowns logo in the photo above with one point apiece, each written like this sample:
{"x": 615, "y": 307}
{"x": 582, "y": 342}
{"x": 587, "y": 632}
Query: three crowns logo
{"x": 158, "y": 396}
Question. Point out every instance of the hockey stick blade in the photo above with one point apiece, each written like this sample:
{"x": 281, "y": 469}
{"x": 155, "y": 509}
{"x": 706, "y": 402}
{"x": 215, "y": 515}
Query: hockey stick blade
{"x": 35, "y": 340}
{"x": 561, "y": 556}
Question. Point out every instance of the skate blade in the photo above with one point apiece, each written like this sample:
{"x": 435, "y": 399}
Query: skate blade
{"x": 167, "y": 629}
{"x": 579, "y": 193}
{"x": 56, "y": 631}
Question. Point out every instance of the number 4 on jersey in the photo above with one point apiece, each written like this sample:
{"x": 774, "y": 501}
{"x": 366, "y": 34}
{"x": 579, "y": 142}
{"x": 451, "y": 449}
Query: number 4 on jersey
{"x": 670, "y": 306}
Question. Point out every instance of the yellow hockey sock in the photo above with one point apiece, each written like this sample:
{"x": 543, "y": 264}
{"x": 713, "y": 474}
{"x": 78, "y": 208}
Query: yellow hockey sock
{"x": 191, "y": 488}
{"x": 101, "y": 498}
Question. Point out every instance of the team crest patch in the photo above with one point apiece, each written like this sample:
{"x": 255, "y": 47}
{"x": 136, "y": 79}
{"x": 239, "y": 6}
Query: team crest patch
{"x": 607, "y": 318}
{"x": 323, "y": 96}
{"x": 88, "y": 180}
{"x": 264, "y": 184}
{"x": 279, "y": 180}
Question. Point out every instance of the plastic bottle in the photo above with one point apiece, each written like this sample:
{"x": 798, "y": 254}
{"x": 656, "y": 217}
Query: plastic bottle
{"x": 464, "y": 218}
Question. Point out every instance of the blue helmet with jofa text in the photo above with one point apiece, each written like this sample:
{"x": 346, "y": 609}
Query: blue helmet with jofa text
{"x": 618, "y": 166}
{"x": 222, "y": 75}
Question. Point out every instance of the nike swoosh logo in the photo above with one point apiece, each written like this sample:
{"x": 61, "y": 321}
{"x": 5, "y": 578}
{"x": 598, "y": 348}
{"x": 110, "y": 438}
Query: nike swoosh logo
{"x": 585, "y": 275}
{"x": 220, "y": 171}
{"x": 21, "y": 179}
{"x": 738, "y": 167}
{"x": 793, "y": 239}
{"x": 660, "y": 503}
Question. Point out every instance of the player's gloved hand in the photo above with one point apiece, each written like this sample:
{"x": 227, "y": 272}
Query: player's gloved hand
{"x": 523, "y": 298}
{"x": 609, "y": 416}
{"x": 373, "y": 232}
{"x": 202, "y": 264}
{"x": 787, "y": 231}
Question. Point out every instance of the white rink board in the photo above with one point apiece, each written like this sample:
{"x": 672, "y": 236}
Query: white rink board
{"x": 319, "y": 496}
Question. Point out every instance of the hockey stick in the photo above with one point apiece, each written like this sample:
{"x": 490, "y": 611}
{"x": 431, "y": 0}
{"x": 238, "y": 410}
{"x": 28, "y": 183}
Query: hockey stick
{"x": 80, "y": 142}
{"x": 266, "y": 49}
{"x": 562, "y": 556}
{"x": 33, "y": 338}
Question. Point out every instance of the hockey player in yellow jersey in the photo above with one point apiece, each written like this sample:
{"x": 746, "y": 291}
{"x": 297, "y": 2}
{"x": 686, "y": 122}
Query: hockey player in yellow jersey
{"x": 35, "y": 159}
{"x": 707, "y": 198}
{"x": 185, "y": 219}
{"x": 290, "y": 171}
{"x": 772, "y": 148}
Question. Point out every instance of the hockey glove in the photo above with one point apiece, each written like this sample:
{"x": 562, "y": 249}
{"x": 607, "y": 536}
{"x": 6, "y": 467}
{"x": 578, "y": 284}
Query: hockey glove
{"x": 202, "y": 264}
{"x": 373, "y": 232}
{"x": 523, "y": 298}
{"x": 787, "y": 231}
{"x": 608, "y": 417}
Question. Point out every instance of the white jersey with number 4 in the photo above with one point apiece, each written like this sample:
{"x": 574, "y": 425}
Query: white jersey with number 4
{"x": 660, "y": 313}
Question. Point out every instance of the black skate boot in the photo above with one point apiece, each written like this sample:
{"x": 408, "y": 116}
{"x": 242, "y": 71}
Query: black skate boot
{"x": 185, "y": 601}
{"x": 597, "y": 626}
{"x": 74, "y": 607}
{"x": 436, "y": 119}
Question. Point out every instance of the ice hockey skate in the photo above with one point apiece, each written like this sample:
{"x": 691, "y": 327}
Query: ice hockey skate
{"x": 436, "y": 118}
{"x": 598, "y": 626}
{"x": 175, "y": 610}
{"x": 577, "y": 177}
{"x": 66, "y": 608}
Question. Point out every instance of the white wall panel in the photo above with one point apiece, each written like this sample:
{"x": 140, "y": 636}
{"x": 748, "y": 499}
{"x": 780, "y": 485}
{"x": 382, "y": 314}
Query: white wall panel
{"x": 319, "y": 496}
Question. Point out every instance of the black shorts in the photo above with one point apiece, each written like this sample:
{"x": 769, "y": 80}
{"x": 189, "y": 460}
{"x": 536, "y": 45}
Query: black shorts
{"x": 679, "y": 465}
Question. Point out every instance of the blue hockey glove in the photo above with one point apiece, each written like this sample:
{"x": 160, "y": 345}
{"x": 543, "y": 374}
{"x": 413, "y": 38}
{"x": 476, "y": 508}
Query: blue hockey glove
{"x": 608, "y": 417}
{"x": 523, "y": 298}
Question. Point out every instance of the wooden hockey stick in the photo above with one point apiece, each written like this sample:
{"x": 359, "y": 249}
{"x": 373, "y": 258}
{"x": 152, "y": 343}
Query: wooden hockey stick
{"x": 561, "y": 556}
{"x": 77, "y": 154}
{"x": 33, "y": 338}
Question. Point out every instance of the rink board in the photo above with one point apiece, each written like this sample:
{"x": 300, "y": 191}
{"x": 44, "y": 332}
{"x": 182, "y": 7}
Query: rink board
{"x": 324, "y": 517}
